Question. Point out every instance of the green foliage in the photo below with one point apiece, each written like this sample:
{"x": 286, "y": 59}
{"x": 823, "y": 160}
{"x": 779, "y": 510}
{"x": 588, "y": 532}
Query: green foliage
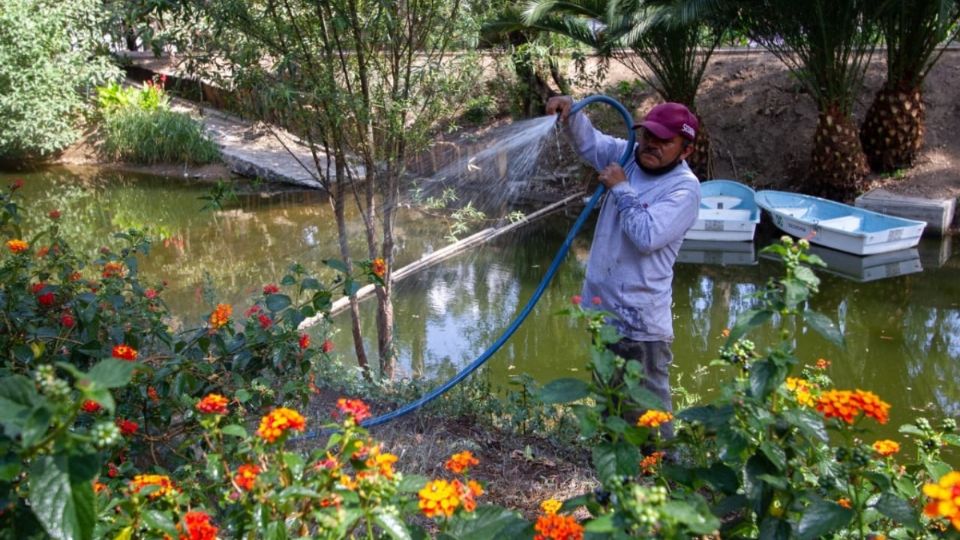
{"x": 138, "y": 126}
{"x": 50, "y": 58}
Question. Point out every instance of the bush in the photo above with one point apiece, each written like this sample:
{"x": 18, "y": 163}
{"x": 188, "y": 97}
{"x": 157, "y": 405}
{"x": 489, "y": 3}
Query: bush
{"x": 139, "y": 127}
{"x": 49, "y": 62}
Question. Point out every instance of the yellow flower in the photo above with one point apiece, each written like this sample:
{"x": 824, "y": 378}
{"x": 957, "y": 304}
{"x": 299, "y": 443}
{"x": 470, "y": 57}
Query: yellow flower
{"x": 17, "y": 246}
{"x": 653, "y": 418}
{"x": 801, "y": 391}
{"x": 278, "y": 422}
{"x": 384, "y": 463}
{"x": 438, "y": 498}
{"x": 461, "y": 462}
{"x": 944, "y": 498}
{"x": 220, "y": 316}
{"x": 163, "y": 483}
{"x": 886, "y": 447}
{"x": 550, "y": 506}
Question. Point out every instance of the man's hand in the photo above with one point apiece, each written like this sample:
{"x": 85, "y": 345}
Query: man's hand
{"x": 612, "y": 175}
{"x": 560, "y": 104}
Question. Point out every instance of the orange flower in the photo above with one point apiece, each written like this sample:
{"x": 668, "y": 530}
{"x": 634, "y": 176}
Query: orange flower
{"x": 649, "y": 463}
{"x": 873, "y": 406}
{"x": 801, "y": 390}
{"x": 438, "y": 497}
{"x": 17, "y": 246}
{"x": 944, "y": 498}
{"x": 379, "y": 267}
{"x": 467, "y": 494}
{"x": 458, "y": 463}
{"x": 112, "y": 269}
{"x": 198, "y": 527}
{"x": 220, "y": 316}
{"x": 886, "y": 447}
{"x": 348, "y": 483}
{"x": 384, "y": 463}
{"x": 838, "y": 404}
{"x": 354, "y": 408}
{"x": 822, "y": 363}
{"x": 653, "y": 418}
{"x": 475, "y": 488}
{"x": 213, "y": 404}
{"x": 246, "y": 476}
{"x": 725, "y": 332}
{"x": 278, "y": 422}
{"x": 163, "y": 484}
{"x": 557, "y": 527}
{"x": 124, "y": 352}
{"x": 844, "y": 502}
{"x": 98, "y": 486}
{"x": 550, "y": 506}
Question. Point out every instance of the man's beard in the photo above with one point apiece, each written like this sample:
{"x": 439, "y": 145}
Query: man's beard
{"x": 658, "y": 170}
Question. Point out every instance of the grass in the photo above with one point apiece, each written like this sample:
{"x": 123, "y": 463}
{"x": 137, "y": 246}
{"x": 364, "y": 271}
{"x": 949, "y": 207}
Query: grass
{"x": 156, "y": 136}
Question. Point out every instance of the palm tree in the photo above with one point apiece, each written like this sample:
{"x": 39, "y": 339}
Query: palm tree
{"x": 892, "y": 132}
{"x": 827, "y": 45}
{"x": 671, "y": 54}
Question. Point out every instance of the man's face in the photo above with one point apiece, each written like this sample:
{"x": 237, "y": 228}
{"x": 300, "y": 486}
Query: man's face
{"x": 655, "y": 153}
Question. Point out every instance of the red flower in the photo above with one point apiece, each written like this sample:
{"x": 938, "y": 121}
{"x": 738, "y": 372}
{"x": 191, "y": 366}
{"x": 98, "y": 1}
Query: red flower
{"x": 150, "y": 294}
{"x": 576, "y": 299}
{"x": 37, "y": 287}
{"x": 327, "y": 346}
{"x": 265, "y": 321}
{"x": 152, "y": 394}
{"x": 124, "y": 352}
{"x": 596, "y": 300}
{"x": 246, "y": 476}
{"x": 254, "y": 309}
{"x": 354, "y": 408}
{"x": 54, "y": 214}
{"x": 198, "y": 527}
{"x": 17, "y": 184}
{"x": 270, "y": 288}
{"x": 112, "y": 471}
{"x": 213, "y": 404}
{"x": 47, "y": 299}
{"x": 304, "y": 341}
{"x": 127, "y": 427}
{"x": 379, "y": 267}
{"x": 91, "y": 407}
{"x": 67, "y": 320}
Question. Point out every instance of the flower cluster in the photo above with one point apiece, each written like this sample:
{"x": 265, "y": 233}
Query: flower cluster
{"x": 801, "y": 391}
{"x": 886, "y": 447}
{"x": 112, "y": 270}
{"x": 442, "y": 498}
{"x": 17, "y": 246}
{"x": 220, "y": 316}
{"x": 379, "y": 267}
{"x": 162, "y": 483}
{"x": 458, "y": 463}
{"x": 557, "y": 527}
{"x": 648, "y": 465}
{"x": 654, "y": 418}
{"x": 353, "y": 408}
{"x": 278, "y": 422}
{"x": 246, "y": 476}
{"x": 550, "y": 506}
{"x": 198, "y": 526}
{"x": 944, "y": 498}
{"x": 213, "y": 404}
{"x": 847, "y": 405}
{"x": 127, "y": 427}
{"x": 124, "y": 352}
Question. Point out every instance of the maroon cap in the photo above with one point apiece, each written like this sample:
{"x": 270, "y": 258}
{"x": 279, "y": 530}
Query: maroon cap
{"x": 667, "y": 120}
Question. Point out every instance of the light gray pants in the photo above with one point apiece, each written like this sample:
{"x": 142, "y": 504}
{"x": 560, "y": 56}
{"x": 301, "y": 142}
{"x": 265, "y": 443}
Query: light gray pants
{"x": 655, "y": 357}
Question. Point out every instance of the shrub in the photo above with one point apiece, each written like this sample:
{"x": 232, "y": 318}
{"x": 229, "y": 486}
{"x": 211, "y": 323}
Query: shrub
{"x": 49, "y": 62}
{"x": 139, "y": 127}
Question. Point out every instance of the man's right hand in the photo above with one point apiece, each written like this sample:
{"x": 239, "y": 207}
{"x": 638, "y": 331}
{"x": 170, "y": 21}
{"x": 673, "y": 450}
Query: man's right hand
{"x": 560, "y": 104}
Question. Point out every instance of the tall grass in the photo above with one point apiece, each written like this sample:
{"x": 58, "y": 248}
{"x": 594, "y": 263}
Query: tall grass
{"x": 156, "y": 136}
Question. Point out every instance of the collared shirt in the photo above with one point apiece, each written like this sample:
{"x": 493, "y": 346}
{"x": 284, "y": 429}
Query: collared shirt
{"x": 638, "y": 234}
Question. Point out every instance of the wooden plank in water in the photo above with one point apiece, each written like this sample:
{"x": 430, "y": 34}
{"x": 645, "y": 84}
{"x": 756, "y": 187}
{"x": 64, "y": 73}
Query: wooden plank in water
{"x": 447, "y": 252}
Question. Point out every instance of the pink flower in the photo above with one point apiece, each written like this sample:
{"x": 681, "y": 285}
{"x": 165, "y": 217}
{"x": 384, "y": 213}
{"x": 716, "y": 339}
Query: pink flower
{"x": 576, "y": 299}
{"x": 54, "y": 214}
{"x": 150, "y": 294}
{"x": 327, "y": 346}
{"x": 596, "y": 300}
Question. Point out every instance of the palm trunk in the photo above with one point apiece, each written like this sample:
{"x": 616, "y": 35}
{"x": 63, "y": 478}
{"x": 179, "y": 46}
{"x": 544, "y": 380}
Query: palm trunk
{"x": 700, "y": 160}
{"x": 838, "y": 165}
{"x": 892, "y": 133}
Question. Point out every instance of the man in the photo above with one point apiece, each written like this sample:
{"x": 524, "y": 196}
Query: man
{"x": 651, "y": 204}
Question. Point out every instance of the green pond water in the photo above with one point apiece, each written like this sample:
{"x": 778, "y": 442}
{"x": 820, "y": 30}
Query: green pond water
{"x": 902, "y": 332}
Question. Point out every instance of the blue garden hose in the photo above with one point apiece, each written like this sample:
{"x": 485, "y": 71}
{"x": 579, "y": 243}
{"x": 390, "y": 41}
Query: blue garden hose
{"x": 551, "y": 271}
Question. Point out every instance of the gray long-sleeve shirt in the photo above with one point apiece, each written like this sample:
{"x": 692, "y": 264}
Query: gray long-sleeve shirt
{"x": 638, "y": 234}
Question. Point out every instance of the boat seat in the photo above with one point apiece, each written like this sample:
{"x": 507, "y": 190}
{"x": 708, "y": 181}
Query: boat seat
{"x": 844, "y": 223}
{"x": 720, "y": 202}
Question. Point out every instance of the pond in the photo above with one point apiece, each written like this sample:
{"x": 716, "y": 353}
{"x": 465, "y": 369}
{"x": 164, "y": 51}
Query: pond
{"x": 902, "y": 331}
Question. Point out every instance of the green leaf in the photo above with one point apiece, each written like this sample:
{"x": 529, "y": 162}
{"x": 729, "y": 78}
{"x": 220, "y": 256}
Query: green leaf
{"x": 616, "y": 459}
{"x": 277, "y": 302}
{"x": 311, "y": 284}
{"x": 412, "y": 483}
{"x": 17, "y": 398}
{"x": 823, "y": 517}
{"x": 750, "y": 319}
{"x": 720, "y": 477}
{"x": 61, "y": 495}
{"x": 806, "y": 276}
{"x": 160, "y": 521}
{"x": 337, "y": 265}
{"x": 937, "y": 469}
{"x": 111, "y": 373}
{"x": 794, "y": 293}
{"x": 763, "y": 378}
{"x": 775, "y": 453}
{"x": 602, "y": 524}
{"x": 697, "y": 518}
{"x": 490, "y": 522}
{"x": 213, "y": 469}
{"x": 710, "y": 416}
{"x": 298, "y": 491}
{"x": 811, "y": 425}
{"x": 393, "y": 525}
{"x": 644, "y": 397}
{"x": 772, "y": 528}
{"x": 564, "y": 391}
{"x": 604, "y": 364}
{"x": 234, "y": 430}
{"x": 898, "y": 510}
{"x": 294, "y": 462}
{"x": 35, "y": 426}
{"x": 824, "y": 326}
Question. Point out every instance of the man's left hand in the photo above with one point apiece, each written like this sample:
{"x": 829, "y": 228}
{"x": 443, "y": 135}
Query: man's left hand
{"x": 612, "y": 175}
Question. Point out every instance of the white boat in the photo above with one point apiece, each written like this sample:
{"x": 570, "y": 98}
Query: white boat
{"x": 727, "y": 213}
{"x": 718, "y": 253}
{"x": 839, "y": 226}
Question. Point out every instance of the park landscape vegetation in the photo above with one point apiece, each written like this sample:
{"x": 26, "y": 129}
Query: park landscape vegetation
{"x": 117, "y": 425}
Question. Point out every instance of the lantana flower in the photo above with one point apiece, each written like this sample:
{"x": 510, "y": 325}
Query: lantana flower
{"x": 654, "y": 418}
{"x": 213, "y": 404}
{"x": 275, "y": 424}
{"x": 220, "y": 316}
{"x": 124, "y": 352}
{"x": 460, "y": 462}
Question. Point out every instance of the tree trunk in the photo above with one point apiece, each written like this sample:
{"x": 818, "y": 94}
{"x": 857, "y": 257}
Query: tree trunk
{"x": 838, "y": 165}
{"x": 338, "y": 210}
{"x": 892, "y": 132}
{"x": 701, "y": 160}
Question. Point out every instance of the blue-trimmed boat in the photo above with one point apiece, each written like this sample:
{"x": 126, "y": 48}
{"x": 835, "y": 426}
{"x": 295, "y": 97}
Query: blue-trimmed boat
{"x": 727, "y": 213}
{"x": 839, "y": 226}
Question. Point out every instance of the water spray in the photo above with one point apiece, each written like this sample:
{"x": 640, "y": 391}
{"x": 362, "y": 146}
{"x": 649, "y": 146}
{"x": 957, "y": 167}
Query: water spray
{"x": 544, "y": 282}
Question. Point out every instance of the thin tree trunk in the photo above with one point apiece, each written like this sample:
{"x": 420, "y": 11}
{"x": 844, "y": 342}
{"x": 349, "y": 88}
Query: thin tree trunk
{"x": 343, "y": 237}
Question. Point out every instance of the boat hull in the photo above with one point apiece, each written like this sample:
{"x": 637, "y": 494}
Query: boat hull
{"x": 839, "y": 226}
{"x": 727, "y": 213}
